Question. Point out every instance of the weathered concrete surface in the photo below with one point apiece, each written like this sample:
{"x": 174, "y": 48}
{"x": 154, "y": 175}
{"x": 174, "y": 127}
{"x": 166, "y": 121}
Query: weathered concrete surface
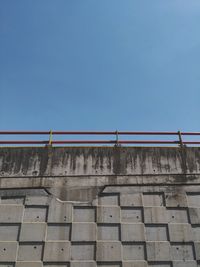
{"x": 100, "y": 207}
{"x": 81, "y": 173}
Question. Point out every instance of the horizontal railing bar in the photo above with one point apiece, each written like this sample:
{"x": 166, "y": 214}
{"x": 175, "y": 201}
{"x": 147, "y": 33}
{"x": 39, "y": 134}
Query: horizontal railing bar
{"x": 93, "y": 133}
{"x": 94, "y": 142}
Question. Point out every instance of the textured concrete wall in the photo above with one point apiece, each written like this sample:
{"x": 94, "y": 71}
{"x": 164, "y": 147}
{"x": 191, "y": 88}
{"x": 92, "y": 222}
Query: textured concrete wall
{"x": 105, "y": 207}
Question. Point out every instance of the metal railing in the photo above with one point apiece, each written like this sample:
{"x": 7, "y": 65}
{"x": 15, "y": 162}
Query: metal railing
{"x": 117, "y": 141}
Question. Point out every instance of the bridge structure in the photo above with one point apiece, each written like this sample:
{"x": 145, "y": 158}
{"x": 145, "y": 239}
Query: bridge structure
{"x": 118, "y": 205}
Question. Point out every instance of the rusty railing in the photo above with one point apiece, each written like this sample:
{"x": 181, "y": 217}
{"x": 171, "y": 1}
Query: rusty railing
{"x": 117, "y": 141}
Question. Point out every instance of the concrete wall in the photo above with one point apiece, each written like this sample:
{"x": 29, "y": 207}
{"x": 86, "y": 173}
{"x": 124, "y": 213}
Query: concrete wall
{"x": 105, "y": 207}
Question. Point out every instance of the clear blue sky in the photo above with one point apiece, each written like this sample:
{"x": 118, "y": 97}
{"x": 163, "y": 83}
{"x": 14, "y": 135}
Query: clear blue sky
{"x": 99, "y": 65}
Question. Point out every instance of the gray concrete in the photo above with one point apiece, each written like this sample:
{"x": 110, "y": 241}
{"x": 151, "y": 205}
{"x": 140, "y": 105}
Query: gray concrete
{"x": 100, "y": 207}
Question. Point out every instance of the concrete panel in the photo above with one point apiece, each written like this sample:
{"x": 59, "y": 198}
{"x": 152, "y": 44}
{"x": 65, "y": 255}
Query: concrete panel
{"x": 184, "y": 264}
{"x": 30, "y": 252}
{"x": 58, "y": 232}
{"x": 197, "y": 250}
{"x": 12, "y": 200}
{"x": 60, "y": 212}
{"x": 131, "y": 215}
{"x": 108, "y": 251}
{"x": 196, "y": 232}
{"x": 158, "y": 251}
{"x": 11, "y": 213}
{"x": 83, "y": 264}
{"x": 84, "y": 214}
{"x": 176, "y": 199}
{"x": 83, "y": 232}
{"x": 133, "y": 251}
{"x": 194, "y": 214}
{"x": 132, "y": 232}
{"x": 83, "y": 251}
{"x": 32, "y": 232}
{"x": 180, "y": 232}
{"x": 57, "y": 251}
{"x": 9, "y": 232}
{"x": 193, "y": 200}
{"x": 37, "y": 200}
{"x": 134, "y": 264}
{"x": 29, "y": 264}
{"x": 108, "y": 200}
{"x": 108, "y": 232}
{"x": 8, "y": 251}
{"x": 128, "y": 200}
{"x": 156, "y": 232}
{"x": 183, "y": 252}
{"x": 177, "y": 215}
{"x": 153, "y": 199}
{"x": 35, "y": 214}
{"x": 155, "y": 215}
{"x": 108, "y": 214}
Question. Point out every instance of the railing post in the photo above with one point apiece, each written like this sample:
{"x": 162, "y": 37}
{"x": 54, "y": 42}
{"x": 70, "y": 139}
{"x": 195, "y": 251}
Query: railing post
{"x": 180, "y": 139}
{"x": 50, "y": 138}
{"x": 117, "y": 138}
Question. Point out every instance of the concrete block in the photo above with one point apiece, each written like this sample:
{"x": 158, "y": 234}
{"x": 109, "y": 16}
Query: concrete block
{"x": 108, "y": 264}
{"x": 193, "y": 200}
{"x": 8, "y": 251}
{"x": 57, "y": 251}
{"x": 177, "y": 215}
{"x": 180, "y": 232}
{"x": 28, "y": 264}
{"x": 83, "y": 251}
{"x": 35, "y": 214}
{"x": 7, "y": 264}
{"x": 160, "y": 264}
{"x": 60, "y": 212}
{"x": 83, "y": 264}
{"x": 194, "y": 214}
{"x": 30, "y": 252}
{"x": 196, "y": 232}
{"x": 11, "y": 213}
{"x": 134, "y": 264}
{"x": 156, "y": 232}
{"x": 9, "y": 232}
{"x": 131, "y": 215}
{"x": 32, "y": 232}
{"x": 12, "y": 200}
{"x": 108, "y": 251}
{"x": 58, "y": 232}
{"x": 37, "y": 201}
{"x": 184, "y": 264}
{"x": 108, "y": 214}
{"x": 108, "y": 200}
{"x": 176, "y": 200}
{"x": 132, "y": 232}
{"x": 153, "y": 199}
{"x": 131, "y": 200}
{"x": 133, "y": 251}
{"x": 66, "y": 264}
{"x": 155, "y": 215}
{"x": 182, "y": 251}
{"x": 197, "y": 250}
{"x": 84, "y": 214}
{"x": 108, "y": 232}
{"x": 158, "y": 251}
{"x": 84, "y": 232}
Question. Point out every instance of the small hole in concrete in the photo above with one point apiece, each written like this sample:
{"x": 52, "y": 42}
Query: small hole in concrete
{"x": 173, "y": 216}
{"x": 34, "y": 247}
{"x": 177, "y": 248}
{"x": 37, "y": 217}
{"x": 137, "y": 217}
{"x": 110, "y": 216}
{"x": 4, "y": 249}
{"x": 62, "y": 249}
